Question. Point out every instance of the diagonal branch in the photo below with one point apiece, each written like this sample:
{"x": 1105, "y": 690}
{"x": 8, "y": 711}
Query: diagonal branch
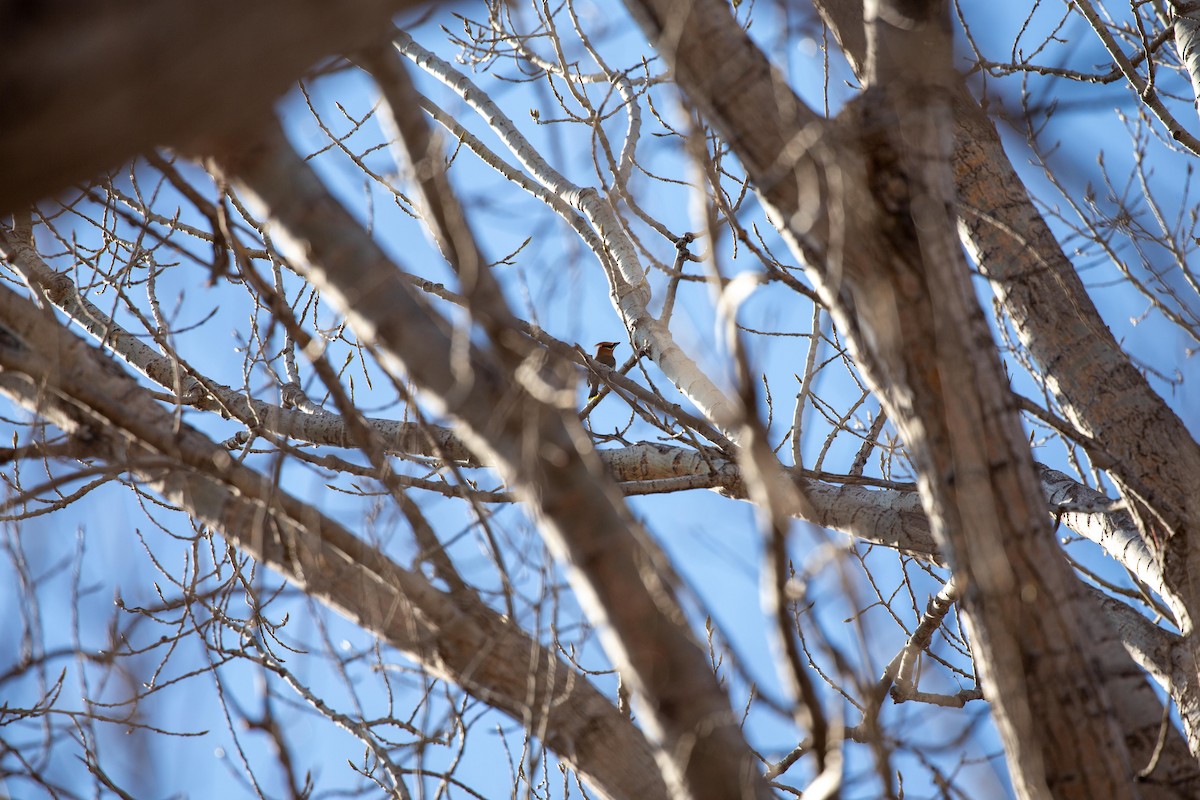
{"x": 521, "y": 419}
{"x": 453, "y": 635}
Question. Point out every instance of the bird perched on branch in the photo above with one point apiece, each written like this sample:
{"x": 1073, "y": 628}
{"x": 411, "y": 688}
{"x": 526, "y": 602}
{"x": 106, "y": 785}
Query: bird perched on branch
{"x": 604, "y": 354}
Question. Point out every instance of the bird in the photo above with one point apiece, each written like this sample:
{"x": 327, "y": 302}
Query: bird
{"x": 604, "y": 355}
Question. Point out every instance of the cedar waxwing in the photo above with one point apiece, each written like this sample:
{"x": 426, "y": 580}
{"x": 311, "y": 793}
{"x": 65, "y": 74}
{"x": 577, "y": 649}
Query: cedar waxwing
{"x": 604, "y": 354}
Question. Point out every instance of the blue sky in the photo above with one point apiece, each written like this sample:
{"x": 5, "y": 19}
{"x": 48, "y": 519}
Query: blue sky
{"x": 714, "y": 542}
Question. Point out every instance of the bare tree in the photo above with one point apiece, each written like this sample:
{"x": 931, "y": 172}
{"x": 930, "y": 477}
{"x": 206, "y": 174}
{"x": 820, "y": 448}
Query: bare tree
{"x": 346, "y": 481}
